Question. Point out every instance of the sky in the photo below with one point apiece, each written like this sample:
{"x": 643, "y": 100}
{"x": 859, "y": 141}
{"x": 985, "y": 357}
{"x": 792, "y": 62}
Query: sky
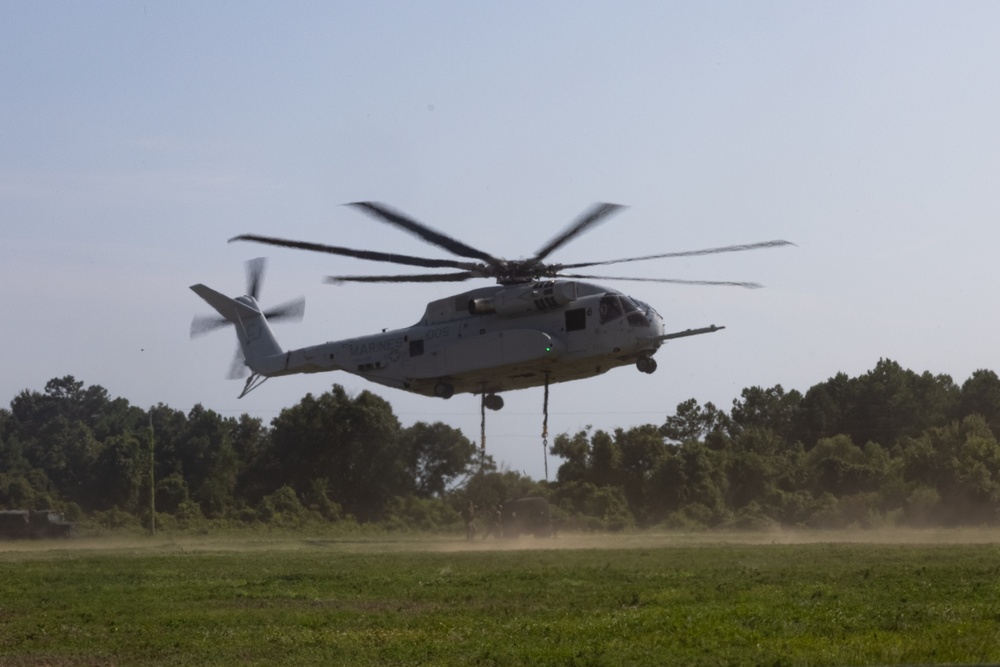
{"x": 137, "y": 138}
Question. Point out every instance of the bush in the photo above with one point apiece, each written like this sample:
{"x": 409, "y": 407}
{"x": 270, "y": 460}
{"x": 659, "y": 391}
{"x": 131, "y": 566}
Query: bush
{"x": 751, "y": 517}
{"x": 117, "y": 519}
{"x": 171, "y": 493}
{"x": 593, "y": 507}
{"x": 188, "y": 514}
{"x": 692, "y": 517}
{"x": 412, "y": 513}
{"x": 283, "y": 508}
{"x": 922, "y": 506}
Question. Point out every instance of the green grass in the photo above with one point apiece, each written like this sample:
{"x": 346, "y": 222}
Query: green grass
{"x": 668, "y": 600}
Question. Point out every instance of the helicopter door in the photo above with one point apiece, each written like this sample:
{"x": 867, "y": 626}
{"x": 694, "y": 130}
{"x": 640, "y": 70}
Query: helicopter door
{"x": 611, "y": 325}
{"x": 576, "y": 329}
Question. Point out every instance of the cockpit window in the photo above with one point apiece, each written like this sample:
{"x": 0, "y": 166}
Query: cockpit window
{"x": 610, "y": 309}
{"x": 647, "y": 309}
{"x": 638, "y": 312}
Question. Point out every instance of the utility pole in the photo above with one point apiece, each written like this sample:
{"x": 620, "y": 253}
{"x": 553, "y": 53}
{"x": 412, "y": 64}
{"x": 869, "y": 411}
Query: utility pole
{"x": 152, "y": 478}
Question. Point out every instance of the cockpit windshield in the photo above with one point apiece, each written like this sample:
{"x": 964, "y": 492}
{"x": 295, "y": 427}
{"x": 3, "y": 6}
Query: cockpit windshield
{"x": 614, "y": 306}
{"x": 637, "y": 316}
{"x": 646, "y": 308}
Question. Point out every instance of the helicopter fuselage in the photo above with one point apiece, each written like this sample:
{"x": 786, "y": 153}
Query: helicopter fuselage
{"x": 494, "y": 339}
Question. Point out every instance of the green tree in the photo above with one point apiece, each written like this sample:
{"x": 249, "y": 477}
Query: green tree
{"x": 169, "y": 428}
{"x": 980, "y": 395}
{"x": 691, "y": 421}
{"x": 605, "y": 465}
{"x": 65, "y": 451}
{"x": 641, "y": 449}
{"x": 11, "y": 454}
{"x": 839, "y": 467}
{"x": 691, "y": 476}
{"x": 824, "y": 407}
{"x": 890, "y": 402}
{"x": 960, "y": 463}
{"x": 120, "y": 471}
{"x": 575, "y": 452}
{"x": 354, "y": 443}
{"x": 171, "y": 493}
{"x": 436, "y": 454}
{"x": 594, "y": 507}
{"x": 772, "y": 409}
{"x": 208, "y": 460}
{"x": 756, "y": 467}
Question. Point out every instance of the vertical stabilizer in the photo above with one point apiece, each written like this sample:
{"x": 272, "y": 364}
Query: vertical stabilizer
{"x": 257, "y": 343}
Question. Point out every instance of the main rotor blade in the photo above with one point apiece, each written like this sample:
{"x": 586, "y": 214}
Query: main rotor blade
{"x": 406, "y": 278}
{"x": 255, "y": 276}
{"x": 202, "y": 324}
{"x": 370, "y": 255}
{"x": 595, "y": 214}
{"x": 386, "y": 214}
{"x": 720, "y": 283}
{"x": 292, "y": 310}
{"x": 686, "y": 253}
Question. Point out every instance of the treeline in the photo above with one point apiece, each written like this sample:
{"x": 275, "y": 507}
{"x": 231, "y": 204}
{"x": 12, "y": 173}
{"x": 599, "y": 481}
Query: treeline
{"x": 890, "y": 447}
{"x": 332, "y": 457}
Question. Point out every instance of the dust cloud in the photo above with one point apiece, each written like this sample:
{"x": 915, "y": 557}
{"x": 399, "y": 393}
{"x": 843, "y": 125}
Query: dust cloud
{"x": 387, "y": 542}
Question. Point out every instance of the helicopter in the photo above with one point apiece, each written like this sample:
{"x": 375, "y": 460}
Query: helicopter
{"x": 539, "y": 324}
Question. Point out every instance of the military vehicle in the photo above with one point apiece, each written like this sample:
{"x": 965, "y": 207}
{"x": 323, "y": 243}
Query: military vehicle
{"x": 34, "y": 524}
{"x": 527, "y": 516}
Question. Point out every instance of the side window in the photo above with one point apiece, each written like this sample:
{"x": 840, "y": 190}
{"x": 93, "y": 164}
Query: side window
{"x": 576, "y": 319}
{"x": 416, "y": 347}
{"x": 611, "y": 309}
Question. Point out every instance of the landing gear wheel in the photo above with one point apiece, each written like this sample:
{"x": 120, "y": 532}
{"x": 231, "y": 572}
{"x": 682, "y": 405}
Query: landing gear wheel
{"x": 444, "y": 390}
{"x": 646, "y": 364}
{"x": 493, "y": 401}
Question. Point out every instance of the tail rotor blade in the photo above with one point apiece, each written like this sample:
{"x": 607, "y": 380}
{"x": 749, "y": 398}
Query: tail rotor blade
{"x": 292, "y": 311}
{"x": 202, "y": 324}
{"x": 255, "y": 276}
{"x": 238, "y": 368}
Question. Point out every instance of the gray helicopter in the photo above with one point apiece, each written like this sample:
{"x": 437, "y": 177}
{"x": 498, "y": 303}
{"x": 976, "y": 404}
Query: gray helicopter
{"x": 538, "y": 325}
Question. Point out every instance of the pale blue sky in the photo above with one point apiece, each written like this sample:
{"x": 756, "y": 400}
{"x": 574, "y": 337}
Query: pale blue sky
{"x": 135, "y": 139}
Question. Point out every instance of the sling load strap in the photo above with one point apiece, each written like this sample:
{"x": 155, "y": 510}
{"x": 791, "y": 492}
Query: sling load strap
{"x": 545, "y": 428}
{"x": 482, "y": 422}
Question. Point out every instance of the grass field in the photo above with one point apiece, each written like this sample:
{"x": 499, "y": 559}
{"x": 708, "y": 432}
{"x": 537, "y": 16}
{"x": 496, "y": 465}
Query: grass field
{"x": 643, "y": 599}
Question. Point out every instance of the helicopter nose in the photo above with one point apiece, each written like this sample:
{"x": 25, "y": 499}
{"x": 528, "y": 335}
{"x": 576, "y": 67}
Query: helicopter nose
{"x": 656, "y": 322}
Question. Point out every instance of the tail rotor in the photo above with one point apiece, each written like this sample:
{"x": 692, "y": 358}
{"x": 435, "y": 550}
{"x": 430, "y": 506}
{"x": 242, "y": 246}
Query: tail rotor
{"x": 288, "y": 311}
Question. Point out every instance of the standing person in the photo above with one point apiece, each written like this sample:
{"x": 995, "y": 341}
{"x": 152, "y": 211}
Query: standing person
{"x": 469, "y": 515}
{"x": 496, "y": 526}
